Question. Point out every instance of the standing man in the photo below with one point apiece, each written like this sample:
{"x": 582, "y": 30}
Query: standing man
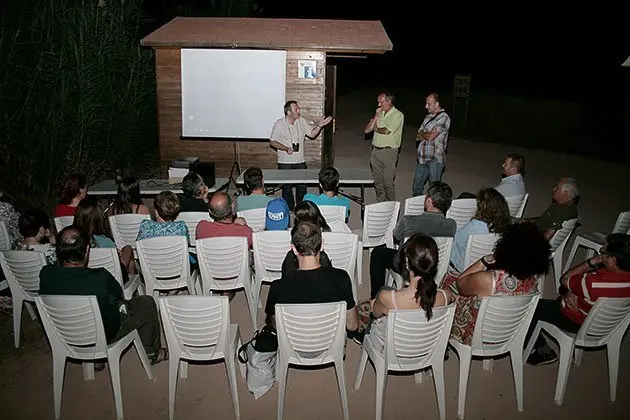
{"x": 387, "y": 125}
{"x": 287, "y": 137}
{"x": 431, "y": 140}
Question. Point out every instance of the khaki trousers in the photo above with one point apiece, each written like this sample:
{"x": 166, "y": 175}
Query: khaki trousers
{"x": 383, "y": 164}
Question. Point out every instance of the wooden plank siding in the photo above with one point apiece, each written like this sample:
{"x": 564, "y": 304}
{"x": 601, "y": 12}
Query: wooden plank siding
{"x": 309, "y": 93}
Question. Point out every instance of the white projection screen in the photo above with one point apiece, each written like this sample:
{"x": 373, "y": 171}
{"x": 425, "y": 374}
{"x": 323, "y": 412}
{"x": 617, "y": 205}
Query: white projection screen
{"x": 232, "y": 94}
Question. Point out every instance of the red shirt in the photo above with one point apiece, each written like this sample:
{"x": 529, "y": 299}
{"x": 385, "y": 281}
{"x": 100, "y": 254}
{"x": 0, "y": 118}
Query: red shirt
{"x": 206, "y": 229}
{"x": 590, "y": 286}
{"x": 64, "y": 210}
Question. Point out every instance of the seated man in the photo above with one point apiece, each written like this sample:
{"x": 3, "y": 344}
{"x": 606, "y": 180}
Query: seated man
{"x": 34, "y": 226}
{"x": 605, "y": 275}
{"x": 254, "y": 187}
{"x": 224, "y": 224}
{"x": 564, "y": 199}
{"x": 329, "y": 182}
{"x": 73, "y": 277}
{"x": 195, "y": 193}
{"x": 432, "y": 222}
{"x": 312, "y": 283}
{"x": 512, "y": 183}
{"x": 277, "y": 215}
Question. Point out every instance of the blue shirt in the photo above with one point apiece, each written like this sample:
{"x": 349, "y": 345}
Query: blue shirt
{"x": 461, "y": 240}
{"x": 324, "y": 200}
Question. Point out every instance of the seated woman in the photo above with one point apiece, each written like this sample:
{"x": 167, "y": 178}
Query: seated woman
{"x": 74, "y": 190}
{"x": 519, "y": 256}
{"x": 128, "y": 199}
{"x": 89, "y": 217}
{"x": 166, "y": 209}
{"x": 34, "y": 226}
{"x": 492, "y": 216}
{"x": 305, "y": 211}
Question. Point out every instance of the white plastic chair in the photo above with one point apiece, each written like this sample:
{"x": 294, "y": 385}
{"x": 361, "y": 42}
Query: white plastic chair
{"x": 594, "y": 241}
{"x": 414, "y": 206}
{"x": 342, "y": 251}
{"x": 445, "y": 245}
{"x": 479, "y": 245}
{"x": 557, "y": 243}
{"x": 333, "y": 214}
{"x": 165, "y": 264}
{"x": 605, "y": 325}
{"x": 462, "y": 210}
{"x": 517, "y": 204}
{"x": 311, "y": 334}
{"x": 125, "y": 228}
{"x": 500, "y": 328}
{"x": 5, "y": 240}
{"x": 192, "y": 218}
{"x": 108, "y": 259}
{"x": 198, "y": 328}
{"x": 74, "y": 328}
{"x": 22, "y": 271}
{"x": 269, "y": 248}
{"x": 62, "y": 222}
{"x": 224, "y": 264}
{"x": 379, "y": 222}
{"x": 410, "y": 343}
{"x": 255, "y": 218}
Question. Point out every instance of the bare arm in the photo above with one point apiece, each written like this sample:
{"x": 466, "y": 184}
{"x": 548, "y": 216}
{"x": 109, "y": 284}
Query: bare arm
{"x": 549, "y": 233}
{"x": 476, "y": 284}
{"x": 352, "y": 319}
{"x": 279, "y": 146}
{"x": 427, "y": 135}
{"x": 371, "y": 126}
{"x": 381, "y": 304}
{"x": 580, "y": 269}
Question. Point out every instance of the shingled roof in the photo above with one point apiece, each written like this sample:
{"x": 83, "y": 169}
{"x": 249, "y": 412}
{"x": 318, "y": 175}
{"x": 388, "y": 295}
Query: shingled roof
{"x": 350, "y": 36}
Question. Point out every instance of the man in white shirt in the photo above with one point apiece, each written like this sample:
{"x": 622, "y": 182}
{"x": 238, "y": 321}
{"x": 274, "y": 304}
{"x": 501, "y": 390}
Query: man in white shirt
{"x": 512, "y": 183}
{"x": 287, "y": 138}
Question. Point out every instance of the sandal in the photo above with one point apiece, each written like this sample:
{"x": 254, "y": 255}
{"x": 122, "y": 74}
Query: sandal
{"x": 160, "y": 356}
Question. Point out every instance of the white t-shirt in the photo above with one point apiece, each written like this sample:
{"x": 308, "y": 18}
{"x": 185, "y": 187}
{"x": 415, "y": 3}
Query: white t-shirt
{"x": 286, "y": 134}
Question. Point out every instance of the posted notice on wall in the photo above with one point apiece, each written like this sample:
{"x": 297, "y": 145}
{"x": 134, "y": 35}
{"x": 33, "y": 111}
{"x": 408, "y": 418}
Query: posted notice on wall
{"x": 307, "y": 69}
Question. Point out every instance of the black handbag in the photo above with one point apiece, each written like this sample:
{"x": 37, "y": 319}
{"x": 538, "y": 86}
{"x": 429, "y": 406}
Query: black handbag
{"x": 264, "y": 341}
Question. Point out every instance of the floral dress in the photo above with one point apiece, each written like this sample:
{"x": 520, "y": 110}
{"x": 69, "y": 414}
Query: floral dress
{"x": 467, "y": 307}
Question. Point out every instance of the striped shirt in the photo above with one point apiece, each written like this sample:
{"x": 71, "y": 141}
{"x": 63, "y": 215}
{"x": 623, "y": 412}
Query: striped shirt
{"x": 590, "y": 286}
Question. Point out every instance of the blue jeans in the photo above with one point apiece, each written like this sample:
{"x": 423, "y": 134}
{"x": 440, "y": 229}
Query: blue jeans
{"x": 431, "y": 170}
{"x": 287, "y": 189}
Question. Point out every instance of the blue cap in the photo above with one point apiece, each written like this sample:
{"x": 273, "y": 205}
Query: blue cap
{"x": 277, "y": 215}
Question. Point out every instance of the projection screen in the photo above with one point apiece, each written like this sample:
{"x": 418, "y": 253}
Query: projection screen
{"x": 232, "y": 94}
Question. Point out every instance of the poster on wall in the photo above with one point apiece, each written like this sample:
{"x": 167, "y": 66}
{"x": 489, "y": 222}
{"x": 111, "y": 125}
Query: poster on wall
{"x": 307, "y": 69}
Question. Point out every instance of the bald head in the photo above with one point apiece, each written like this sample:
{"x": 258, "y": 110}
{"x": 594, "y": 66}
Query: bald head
{"x": 220, "y": 206}
{"x": 72, "y": 245}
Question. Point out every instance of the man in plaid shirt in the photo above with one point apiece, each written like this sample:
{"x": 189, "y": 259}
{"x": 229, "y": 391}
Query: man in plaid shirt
{"x": 432, "y": 139}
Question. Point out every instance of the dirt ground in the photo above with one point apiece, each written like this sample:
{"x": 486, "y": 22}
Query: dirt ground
{"x": 26, "y": 390}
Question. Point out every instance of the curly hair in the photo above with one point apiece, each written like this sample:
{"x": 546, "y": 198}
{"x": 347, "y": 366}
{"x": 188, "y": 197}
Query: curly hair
{"x": 493, "y": 209}
{"x": 522, "y": 251}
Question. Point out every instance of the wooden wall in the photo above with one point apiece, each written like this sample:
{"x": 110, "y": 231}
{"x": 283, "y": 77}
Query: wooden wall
{"x": 308, "y": 92}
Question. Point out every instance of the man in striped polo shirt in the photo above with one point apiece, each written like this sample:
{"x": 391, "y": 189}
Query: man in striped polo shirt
{"x": 605, "y": 275}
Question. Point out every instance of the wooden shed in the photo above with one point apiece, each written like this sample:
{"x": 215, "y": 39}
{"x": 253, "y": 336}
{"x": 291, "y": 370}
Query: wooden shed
{"x": 302, "y": 39}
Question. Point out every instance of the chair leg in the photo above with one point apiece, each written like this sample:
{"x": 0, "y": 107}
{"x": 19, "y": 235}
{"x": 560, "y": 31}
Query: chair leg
{"x": 341, "y": 382}
{"x": 564, "y": 367}
{"x": 577, "y": 356}
{"x": 359, "y": 268}
{"x": 516, "y": 357}
{"x": 113, "y": 361}
{"x": 144, "y": 359}
{"x": 612, "y": 349}
{"x": 230, "y": 364}
{"x": 282, "y": 369}
{"x": 574, "y": 248}
{"x": 183, "y": 369}
{"x": 381, "y": 385}
{"x": 438, "y": 381}
{"x": 532, "y": 341}
{"x": 17, "y": 320}
{"x": 557, "y": 267}
{"x": 59, "y": 369}
{"x": 30, "y": 307}
{"x": 173, "y": 365}
{"x": 361, "y": 370}
{"x": 252, "y": 304}
{"x": 465, "y": 355}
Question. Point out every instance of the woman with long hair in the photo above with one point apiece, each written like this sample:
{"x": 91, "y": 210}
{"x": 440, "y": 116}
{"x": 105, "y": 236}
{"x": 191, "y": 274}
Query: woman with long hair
{"x": 89, "y": 216}
{"x": 73, "y": 190}
{"x": 492, "y": 216}
{"x": 128, "y": 198}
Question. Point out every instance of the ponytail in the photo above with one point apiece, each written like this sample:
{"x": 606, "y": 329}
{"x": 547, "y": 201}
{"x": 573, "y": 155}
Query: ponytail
{"x": 425, "y": 293}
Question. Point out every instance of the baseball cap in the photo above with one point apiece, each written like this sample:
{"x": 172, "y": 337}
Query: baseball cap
{"x": 277, "y": 214}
